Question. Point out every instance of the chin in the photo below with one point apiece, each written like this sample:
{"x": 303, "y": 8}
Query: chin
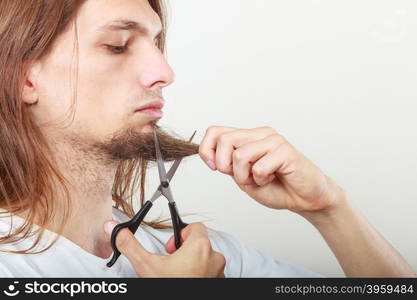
{"x": 148, "y": 128}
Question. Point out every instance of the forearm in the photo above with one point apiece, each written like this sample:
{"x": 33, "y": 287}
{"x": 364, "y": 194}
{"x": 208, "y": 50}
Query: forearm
{"x": 359, "y": 248}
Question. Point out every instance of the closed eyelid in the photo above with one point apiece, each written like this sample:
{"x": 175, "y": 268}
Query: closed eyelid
{"x": 117, "y": 49}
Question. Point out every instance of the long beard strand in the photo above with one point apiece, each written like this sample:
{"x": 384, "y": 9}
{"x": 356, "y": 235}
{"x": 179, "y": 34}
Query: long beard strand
{"x": 130, "y": 144}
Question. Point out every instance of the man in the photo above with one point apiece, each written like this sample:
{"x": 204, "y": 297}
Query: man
{"x": 88, "y": 79}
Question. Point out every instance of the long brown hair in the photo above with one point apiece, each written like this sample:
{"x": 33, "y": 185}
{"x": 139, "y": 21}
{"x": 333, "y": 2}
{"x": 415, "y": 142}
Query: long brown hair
{"x": 27, "y": 173}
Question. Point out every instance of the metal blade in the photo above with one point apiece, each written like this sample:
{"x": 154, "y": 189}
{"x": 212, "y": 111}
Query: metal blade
{"x": 171, "y": 171}
{"x": 175, "y": 165}
{"x": 161, "y": 167}
{"x": 157, "y": 194}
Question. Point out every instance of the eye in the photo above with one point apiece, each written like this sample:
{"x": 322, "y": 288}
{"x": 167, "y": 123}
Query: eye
{"x": 117, "y": 49}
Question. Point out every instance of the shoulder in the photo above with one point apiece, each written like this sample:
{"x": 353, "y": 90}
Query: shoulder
{"x": 245, "y": 261}
{"x": 241, "y": 259}
{"x": 15, "y": 264}
{"x": 6, "y": 271}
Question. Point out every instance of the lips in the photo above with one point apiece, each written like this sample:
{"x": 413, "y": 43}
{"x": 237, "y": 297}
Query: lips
{"x": 153, "y": 105}
{"x": 152, "y": 109}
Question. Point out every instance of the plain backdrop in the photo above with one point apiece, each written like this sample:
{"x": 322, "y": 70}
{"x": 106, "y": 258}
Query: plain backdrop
{"x": 337, "y": 78}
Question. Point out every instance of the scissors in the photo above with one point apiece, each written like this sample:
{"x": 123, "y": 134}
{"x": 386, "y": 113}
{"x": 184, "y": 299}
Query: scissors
{"x": 162, "y": 190}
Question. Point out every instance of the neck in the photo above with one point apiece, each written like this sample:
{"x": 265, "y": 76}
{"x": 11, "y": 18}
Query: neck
{"x": 90, "y": 183}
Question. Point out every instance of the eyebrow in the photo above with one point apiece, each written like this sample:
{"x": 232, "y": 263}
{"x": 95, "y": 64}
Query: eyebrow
{"x": 129, "y": 25}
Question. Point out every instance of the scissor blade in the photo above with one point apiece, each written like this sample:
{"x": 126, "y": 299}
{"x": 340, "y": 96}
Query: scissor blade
{"x": 157, "y": 194}
{"x": 175, "y": 165}
{"x": 161, "y": 167}
{"x": 191, "y": 138}
{"x": 170, "y": 174}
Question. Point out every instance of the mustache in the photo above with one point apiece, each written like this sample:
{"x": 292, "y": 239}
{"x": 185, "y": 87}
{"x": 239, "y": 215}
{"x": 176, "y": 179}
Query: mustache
{"x": 153, "y": 94}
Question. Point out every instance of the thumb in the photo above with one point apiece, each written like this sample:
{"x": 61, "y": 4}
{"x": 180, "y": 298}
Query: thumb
{"x": 127, "y": 244}
{"x": 170, "y": 245}
{"x": 190, "y": 232}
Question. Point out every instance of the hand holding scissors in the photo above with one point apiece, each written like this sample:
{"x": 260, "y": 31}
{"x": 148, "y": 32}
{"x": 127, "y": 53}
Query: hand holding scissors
{"x": 196, "y": 258}
{"x": 163, "y": 189}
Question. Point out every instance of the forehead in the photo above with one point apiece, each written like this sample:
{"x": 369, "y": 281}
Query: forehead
{"x": 98, "y": 16}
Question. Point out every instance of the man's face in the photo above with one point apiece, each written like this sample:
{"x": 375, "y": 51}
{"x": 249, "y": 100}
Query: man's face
{"x": 118, "y": 72}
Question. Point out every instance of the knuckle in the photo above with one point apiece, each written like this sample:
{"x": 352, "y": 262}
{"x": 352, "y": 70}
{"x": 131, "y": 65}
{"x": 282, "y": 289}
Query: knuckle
{"x": 276, "y": 139}
{"x": 202, "y": 151}
{"x": 204, "y": 244}
{"x": 223, "y": 138}
{"x": 238, "y": 179}
{"x": 221, "y": 260}
{"x": 227, "y": 170}
{"x": 224, "y": 168}
{"x": 238, "y": 155}
{"x": 258, "y": 171}
{"x": 197, "y": 229}
{"x": 269, "y": 130}
{"x": 288, "y": 149}
{"x": 220, "y": 165}
{"x": 246, "y": 181}
{"x": 199, "y": 226}
{"x": 212, "y": 128}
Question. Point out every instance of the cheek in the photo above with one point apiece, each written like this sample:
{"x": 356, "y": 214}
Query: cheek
{"x": 99, "y": 116}
{"x": 107, "y": 97}
{"x": 55, "y": 97}
{"x": 101, "y": 108}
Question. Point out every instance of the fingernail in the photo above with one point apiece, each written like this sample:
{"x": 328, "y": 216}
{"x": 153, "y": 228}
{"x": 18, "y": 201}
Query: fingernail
{"x": 211, "y": 165}
{"x": 108, "y": 226}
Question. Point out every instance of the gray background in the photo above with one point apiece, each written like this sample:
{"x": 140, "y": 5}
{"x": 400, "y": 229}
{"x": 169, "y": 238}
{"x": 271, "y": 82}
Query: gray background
{"x": 336, "y": 78}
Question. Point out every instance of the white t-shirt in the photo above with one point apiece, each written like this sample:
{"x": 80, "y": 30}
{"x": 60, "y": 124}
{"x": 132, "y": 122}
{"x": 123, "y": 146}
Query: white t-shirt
{"x": 66, "y": 259}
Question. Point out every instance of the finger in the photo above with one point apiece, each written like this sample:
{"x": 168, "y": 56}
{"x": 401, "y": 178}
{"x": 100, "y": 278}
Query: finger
{"x": 280, "y": 198}
{"x": 127, "y": 244}
{"x": 193, "y": 230}
{"x": 207, "y": 148}
{"x": 170, "y": 245}
{"x": 190, "y": 232}
{"x": 230, "y": 141}
{"x": 247, "y": 155}
{"x": 227, "y": 143}
{"x": 278, "y": 162}
{"x": 220, "y": 261}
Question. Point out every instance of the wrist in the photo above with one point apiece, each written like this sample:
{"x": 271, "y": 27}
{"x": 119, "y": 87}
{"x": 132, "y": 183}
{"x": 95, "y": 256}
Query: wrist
{"x": 340, "y": 204}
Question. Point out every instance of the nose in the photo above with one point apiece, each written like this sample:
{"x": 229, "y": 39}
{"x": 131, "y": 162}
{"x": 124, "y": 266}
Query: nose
{"x": 155, "y": 70}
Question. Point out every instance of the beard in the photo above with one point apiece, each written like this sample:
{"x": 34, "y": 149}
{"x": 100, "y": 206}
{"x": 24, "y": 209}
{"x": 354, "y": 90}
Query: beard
{"x": 130, "y": 144}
